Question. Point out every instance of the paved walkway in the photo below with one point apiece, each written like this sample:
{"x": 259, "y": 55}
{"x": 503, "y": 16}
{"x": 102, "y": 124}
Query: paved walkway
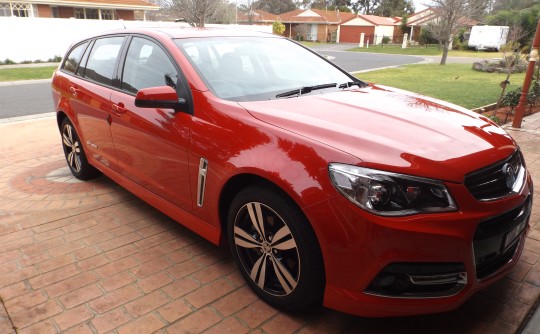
{"x": 88, "y": 257}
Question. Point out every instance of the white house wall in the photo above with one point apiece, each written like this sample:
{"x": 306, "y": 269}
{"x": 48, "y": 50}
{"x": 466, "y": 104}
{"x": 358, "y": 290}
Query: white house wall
{"x": 358, "y": 22}
{"x": 382, "y": 31}
{"x": 25, "y": 38}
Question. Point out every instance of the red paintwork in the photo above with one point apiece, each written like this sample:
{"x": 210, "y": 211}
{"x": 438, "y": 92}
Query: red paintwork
{"x": 163, "y": 93}
{"x": 290, "y": 142}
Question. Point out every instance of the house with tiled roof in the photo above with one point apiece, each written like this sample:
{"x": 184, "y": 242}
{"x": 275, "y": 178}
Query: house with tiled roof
{"x": 79, "y": 9}
{"x": 313, "y": 24}
{"x": 256, "y": 16}
{"x": 375, "y": 29}
{"x": 422, "y": 18}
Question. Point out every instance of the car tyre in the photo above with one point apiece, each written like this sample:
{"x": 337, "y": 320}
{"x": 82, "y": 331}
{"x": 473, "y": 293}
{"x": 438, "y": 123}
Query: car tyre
{"x": 74, "y": 153}
{"x": 276, "y": 249}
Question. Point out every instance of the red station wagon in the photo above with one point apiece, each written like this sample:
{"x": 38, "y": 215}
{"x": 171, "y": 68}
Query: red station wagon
{"x": 370, "y": 200}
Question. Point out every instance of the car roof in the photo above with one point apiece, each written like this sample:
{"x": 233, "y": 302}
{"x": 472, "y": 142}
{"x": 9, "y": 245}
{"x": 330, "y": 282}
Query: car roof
{"x": 190, "y": 32}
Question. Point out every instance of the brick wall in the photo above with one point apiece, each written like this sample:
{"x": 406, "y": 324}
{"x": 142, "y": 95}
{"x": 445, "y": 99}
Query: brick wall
{"x": 126, "y": 14}
{"x": 66, "y": 12}
{"x": 44, "y": 11}
{"x": 324, "y": 31}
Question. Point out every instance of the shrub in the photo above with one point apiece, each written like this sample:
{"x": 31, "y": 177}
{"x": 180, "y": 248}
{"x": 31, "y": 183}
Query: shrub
{"x": 55, "y": 59}
{"x": 7, "y": 62}
{"x": 427, "y": 38}
{"x": 277, "y": 28}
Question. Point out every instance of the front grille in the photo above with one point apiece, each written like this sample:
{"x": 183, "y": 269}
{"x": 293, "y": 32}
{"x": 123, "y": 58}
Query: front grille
{"x": 490, "y": 183}
{"x": 496, "y": 239}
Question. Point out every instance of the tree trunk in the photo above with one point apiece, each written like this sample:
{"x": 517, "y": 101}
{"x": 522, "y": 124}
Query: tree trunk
{"x": 444, "y": 54}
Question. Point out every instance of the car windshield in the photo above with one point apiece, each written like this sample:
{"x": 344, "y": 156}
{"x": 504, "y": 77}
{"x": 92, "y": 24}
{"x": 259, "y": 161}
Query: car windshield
{"x": 255, "y": 68}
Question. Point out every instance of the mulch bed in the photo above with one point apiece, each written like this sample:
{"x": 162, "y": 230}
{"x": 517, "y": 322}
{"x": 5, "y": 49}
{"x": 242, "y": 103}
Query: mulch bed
{"x": 506, "y": 114}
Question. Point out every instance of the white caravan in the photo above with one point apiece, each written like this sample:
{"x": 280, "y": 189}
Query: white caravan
{"x": 488, "y": 37}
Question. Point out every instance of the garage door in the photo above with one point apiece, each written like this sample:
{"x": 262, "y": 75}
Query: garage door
{"x": 351, "y": 34}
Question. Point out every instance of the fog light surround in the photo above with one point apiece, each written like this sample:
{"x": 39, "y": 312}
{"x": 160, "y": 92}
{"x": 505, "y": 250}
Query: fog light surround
{"x": 419, "y": 280}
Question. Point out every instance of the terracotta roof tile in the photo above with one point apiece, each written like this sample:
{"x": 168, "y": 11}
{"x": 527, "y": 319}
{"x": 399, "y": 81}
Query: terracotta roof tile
{"x": 315, "y": 16}
{"x": 257, "y": 16}
{"x": 379, "y": 20}
{"x": 425, "y": 16}
{"x": 136, "y": 4}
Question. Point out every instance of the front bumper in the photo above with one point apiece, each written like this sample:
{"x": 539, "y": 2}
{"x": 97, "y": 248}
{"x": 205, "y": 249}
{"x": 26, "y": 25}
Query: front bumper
{"x": 482, "y": 241}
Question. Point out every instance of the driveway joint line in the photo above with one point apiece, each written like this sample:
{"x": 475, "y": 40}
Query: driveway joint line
{"x": 79, "y": 214}
{"x": 8, "y": 316}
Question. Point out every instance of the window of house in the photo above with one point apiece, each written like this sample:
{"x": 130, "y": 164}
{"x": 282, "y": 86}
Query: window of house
{"x": 147, "y": 65}
{"x": 79, "y": 13}
{"x": 17, "y": 9}
{"x": 91, "y": 13}
{"x": 107, "y": 14}
{"x": 102, "y": 59}
{"x": 55, "y": 12}
{"x": 5, "y": 9}
{"x": 95, "y": 14}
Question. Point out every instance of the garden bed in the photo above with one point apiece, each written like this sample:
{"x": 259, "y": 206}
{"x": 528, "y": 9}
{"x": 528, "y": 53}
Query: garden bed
{"x": 505, "y": 115}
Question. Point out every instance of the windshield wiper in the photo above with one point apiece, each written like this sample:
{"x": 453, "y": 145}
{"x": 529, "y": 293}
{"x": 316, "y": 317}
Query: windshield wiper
{"x": 306, "y": 89}
{"x": 360, "y": 84}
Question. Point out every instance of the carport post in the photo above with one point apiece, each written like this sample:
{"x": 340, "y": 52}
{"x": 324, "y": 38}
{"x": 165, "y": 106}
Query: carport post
{"x": 361, "y": 44}
{"x": 533, "y": 58}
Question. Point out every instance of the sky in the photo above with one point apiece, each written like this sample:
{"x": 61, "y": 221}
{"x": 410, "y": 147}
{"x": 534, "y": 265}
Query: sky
{"x": 418, "y": 5}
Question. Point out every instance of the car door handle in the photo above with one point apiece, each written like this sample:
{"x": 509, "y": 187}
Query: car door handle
{"x": 73, "y": 91}
{"x": 119, "y": 108}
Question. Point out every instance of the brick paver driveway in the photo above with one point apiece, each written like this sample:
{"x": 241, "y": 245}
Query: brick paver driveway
{"x": 87, "y": 257}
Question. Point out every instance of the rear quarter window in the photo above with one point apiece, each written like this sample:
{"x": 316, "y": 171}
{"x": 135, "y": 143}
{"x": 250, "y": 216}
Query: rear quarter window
{"x": 73, "y": 59}
{"x": 102, "y": 60}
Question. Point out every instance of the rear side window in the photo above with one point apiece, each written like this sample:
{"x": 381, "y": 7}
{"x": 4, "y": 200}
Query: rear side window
{"x": 102, "y": 59}
{"x": 147, "y": 65}
{"x": 74, "y": 58}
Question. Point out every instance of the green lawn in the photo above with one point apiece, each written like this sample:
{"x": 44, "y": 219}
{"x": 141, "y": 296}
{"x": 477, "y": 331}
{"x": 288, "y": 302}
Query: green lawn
{"x": 456, "y": 83}
{"x": 26, "y": 73}
{"x": 426, "y": 51}
{"x": 309, "y": 44}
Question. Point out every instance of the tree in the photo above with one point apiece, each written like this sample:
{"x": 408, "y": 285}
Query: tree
{"x": 342, "y": 5}
{"x": 365, "y": 6}
{"x": 452, "y": 15}
{"x": 512, "y": 57}
{"x": 499, "y": 5}
{"x": 390, "y": 8}
{"x": 403, "y": 24}
{"x": 197, "y": 12}
{"x": 278, "y": 28}
{"x": 275, "y": 6}
{"x": 525, "y": 18}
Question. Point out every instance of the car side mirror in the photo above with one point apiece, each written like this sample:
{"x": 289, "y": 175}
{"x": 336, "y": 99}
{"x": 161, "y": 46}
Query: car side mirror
{"x": 159, "y": 97}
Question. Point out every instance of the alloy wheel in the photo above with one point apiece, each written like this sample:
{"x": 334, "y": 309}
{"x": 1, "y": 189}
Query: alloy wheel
{"x": 72, "y": 148}
{"x": 267, "y": 249}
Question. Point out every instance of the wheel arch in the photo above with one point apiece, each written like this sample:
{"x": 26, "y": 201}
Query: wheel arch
{"x": 60, "y": 116}
{"x": 241, "y": 181}
{"x": 233, "y": 186}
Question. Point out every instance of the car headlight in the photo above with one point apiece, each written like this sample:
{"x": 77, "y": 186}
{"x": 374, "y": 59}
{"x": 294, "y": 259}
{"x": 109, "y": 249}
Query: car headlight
{"x": 390, "y": 194}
